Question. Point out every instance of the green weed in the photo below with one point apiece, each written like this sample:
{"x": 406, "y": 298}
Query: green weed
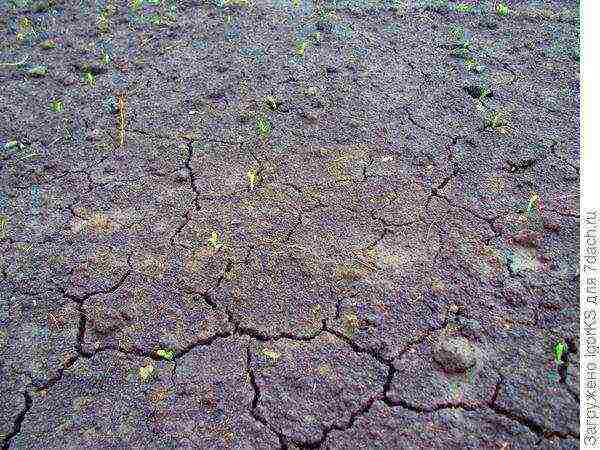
{"x": 464, "y": 8}
{"x": 301, "y": 47}
{"x": 236, "y": 2}
{"x": 48, "y": 44}
{"x": 25, "y": 29}
{"x": 214, "y": 241}
{"x": 502, "y": 10}
{"x": 57, "y": 106}
{"x": 535, "y": 198}
{"x": 253, "y": 177}
{"x": 89, "y": 78}
{"x": 166, "y": 354}
{"x": 559, "y": 349}
{"x": 136, "y": 4}
{"x": 271, "y": 102}
{"x": 264, "y": 128}
{"x": 496, "y": 119}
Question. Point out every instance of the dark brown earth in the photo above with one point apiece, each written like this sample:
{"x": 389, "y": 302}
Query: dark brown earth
{"x": 386, "y": 279}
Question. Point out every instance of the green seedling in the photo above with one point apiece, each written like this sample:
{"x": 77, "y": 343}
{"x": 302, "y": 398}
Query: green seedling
{"x": 271, "y": 102}
{"x": 14, "y": 144}
{"x": 485, "y": 92}
{"x": 48, "y": 44}
{"x": 502, "y": 10}
{"x": 496, "y": 120}
{"x": 37, "y": 71}
{"x": 25, "y": 29}
{"x": 254, "y": 177}
{"x": 214, "y": 241}
{"x": 301, "y": 47}
{"x": 136, "y": 4}
{"x": 166, "y": 354}
{"x": 89, "y": 78}
{"x": 559, "y": 349}
{"x": 3, "y": 223}
{"x": 271, "y": 353}
{"x": 464, "y": 8}
{"x": 236, "y": 2}
{"x": 105, "y": 58}
{"x": 470, "y": 64}
{"x": 103, "y": 22}
{"x": 532, "y": 201}
{"x": 264, "y": 128}
{"x": 146, "y": 371}
{"x": 57, "y": 106}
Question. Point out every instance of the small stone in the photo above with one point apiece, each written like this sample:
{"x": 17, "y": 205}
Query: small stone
{"x": 455, "y": 355}
{"x": 93, "y": 67}
{"x": 69, "y": 80}
{"x": 181, "y": 176}
{"x": 93, "y": 135}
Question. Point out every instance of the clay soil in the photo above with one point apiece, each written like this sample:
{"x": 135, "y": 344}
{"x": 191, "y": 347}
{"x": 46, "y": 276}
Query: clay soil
{"x": 289, "y": 225}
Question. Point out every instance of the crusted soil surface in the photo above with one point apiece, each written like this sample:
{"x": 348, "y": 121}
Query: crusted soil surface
{"x": 289, "y": 225}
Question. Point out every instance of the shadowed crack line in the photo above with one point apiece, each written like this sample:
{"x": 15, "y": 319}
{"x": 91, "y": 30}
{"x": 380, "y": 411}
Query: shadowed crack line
{"x": 256, "y": 399}
{"x": 18, "y": 421}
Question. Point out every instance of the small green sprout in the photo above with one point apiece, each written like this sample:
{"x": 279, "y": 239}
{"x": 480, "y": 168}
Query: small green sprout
{"x": 271, "y": 102}
{"x": 103, "y": 21}
{"x": 236, "y": 2}
{"x": 253, "y": 176}
{"x": 264, "y": 128}
{"x": 559, "y": 349}
{"x": 496, "y": 120}
{"x": 301, "y": 47}
{"x": 296, "y": 3}
{"x": 48, "y": 44}
{"x": 470, "y": 64}
{"x": 57, "y": 106}
{"x": 502, "y": 10}
{"x": 136, "y": 4}
{"x": 535, "y": 198}
{"x": 105, "y": 58}
{"x": 485, "y": 92}
{"x": 464, "y": 8}
{"x": 166, "y": 354}
{"x": 89, "y": 77}
{"x": 37, "y": 71}
{"x": 214, "y": 241}
{"x": 146, "y": 371}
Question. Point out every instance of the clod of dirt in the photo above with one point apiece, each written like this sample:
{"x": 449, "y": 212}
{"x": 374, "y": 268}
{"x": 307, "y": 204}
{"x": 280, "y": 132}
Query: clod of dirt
{"x": 455, "y": 355}
{"x": 90, "y": 66}
{"x": 514, "y": 292}
{"x": 488, "y": 23}
{"x": 69, "y": 80}
{"x": 180, "y": 176}
{"x": 477, "y": 91}
{"x": 551, "y": 225}
{"x": 527, "y": 238}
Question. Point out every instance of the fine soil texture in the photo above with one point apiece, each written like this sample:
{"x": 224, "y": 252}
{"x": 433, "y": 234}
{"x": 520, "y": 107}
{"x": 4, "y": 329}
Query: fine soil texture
{"x": 284, "y": 224}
